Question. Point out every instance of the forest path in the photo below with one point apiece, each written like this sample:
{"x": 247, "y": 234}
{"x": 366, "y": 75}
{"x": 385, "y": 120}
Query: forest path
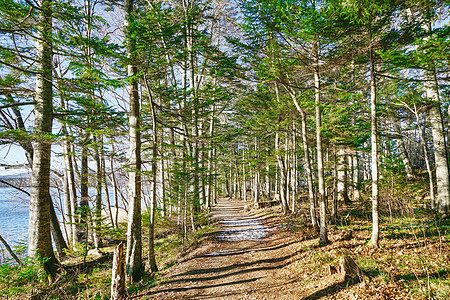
{"x": 248, "y": 259}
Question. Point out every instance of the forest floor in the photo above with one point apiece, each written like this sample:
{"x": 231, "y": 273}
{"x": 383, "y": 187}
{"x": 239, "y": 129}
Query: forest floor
{"x": 259, "y": 255}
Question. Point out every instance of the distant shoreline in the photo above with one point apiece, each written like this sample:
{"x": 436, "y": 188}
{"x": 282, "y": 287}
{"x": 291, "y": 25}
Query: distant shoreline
{"x": 19, "y": 182}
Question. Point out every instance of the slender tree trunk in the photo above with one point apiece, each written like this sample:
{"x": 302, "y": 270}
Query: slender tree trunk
{"x": 374, "y": 152}
{"x": 404, "y": 154}
{"x": 210, "y": 157}
{"x": 39, "y": 237}
{"x": 134, "y": 263}
{"x": 356, "y": 192}
{"x": 282, "y": 165}
{"x": 244, "y": 178}
{"x": 312, "y": 201}
{"x": 335, "y": 187}
{"x": 67, "y": 212}
{"x": 106, "y": 189}
{"x": 427, "y": 159}
{"x": 152, "y": 259}
{"x": 342, "y": 189}
{"x": 98, "y": 195}
{"x": 84, "y": 182}
{"x": 288, "y": 173}
{"x": 115, "y": 188}
{"x": 323, "y": 237}
{"x": 294, "y": 173}
{"x": 283, "y": 175}
{"x": 58, "y": 238}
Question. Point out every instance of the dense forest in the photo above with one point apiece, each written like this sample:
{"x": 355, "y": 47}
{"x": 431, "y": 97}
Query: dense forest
{"x": 142, "y": 115}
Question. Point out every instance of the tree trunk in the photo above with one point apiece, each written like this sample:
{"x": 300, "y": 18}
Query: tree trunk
{"x": 67, "y": 212}
{"x": 57, "y": 235}
{"x": 39, "y": 237}
{"x": 283, "y": 175}
{"x": 115, "y": 188}
{"x": 312, "y": 201}
{"x": 437, "y": 130}
{"x": 374, "y": 152}
{"x": 97, "y": 216}
{"x": 323, "y": 237}
{"x": 342, "y": 189}
{"x": 294, "y": 173}
{"x": 335, "y": 187}
{"x": 105, "y": 189}
{"x": 427, "y": 159}
{"x": 151, "y": 238}
{"x": 356, "y": 192}
{"x": 210, "y": 158}
{"x": 403, "y": 153}
{"x": 118, "y": 291}
{"x": 244, "y": 178}
{"x": 134, "y": 263}
{"x": 72, "y": 192}
{"x": 84, "y": 182}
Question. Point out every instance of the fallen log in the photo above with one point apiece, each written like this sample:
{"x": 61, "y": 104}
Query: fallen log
{"x": 265, "y": 204}
{"x": 86, "y": 266}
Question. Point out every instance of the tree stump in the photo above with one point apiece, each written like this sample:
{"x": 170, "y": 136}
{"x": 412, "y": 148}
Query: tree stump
{"x": 349, "y": 269}
{"x": 118, "y": 274}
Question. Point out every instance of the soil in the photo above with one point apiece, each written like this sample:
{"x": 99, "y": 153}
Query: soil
{"x": 255, "y": 257}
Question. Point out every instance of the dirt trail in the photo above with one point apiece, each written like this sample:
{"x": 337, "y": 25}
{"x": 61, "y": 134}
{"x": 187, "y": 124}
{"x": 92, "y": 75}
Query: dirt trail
{"x": 246, "y": 260}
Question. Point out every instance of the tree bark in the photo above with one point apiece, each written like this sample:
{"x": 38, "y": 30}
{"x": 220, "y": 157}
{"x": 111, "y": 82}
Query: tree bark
{"x": 118, "y": 291}
{"x": 283, "y": 174}
{"x": 312, "y": 201}
{"x": 342, "y": 188}
{"x": 437, "y": 130}
{"x": 151, "y": 238}
{"x": 427, "y": 159}
{"x": 374, "y": 152}
{"x": 39, "y": 237}
{"x": 58, "y": 237}
{"x": 323, "y": 236}
{"x": 356, "y": 192}
{"x": 134, "y": 263}
{"x": 98, "y": 196}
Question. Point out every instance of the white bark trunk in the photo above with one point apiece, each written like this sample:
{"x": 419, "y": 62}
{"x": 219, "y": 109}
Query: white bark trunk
{"x": 374, "y": 152}
{"x": 320, "y": 167}
{"x": 39, "y": 236}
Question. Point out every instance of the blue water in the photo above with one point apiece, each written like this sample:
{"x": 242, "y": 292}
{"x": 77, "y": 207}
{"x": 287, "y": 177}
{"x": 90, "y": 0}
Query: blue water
{"x": 13, "y": 216}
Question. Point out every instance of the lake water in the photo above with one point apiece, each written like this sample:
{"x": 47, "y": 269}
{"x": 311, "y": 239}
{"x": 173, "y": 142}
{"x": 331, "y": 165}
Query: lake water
{"x": 14, "y": 213}
{"x": 14, "y": 216}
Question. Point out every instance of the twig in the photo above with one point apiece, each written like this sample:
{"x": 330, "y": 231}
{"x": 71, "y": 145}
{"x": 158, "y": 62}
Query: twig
{"x": 8, "y": 248}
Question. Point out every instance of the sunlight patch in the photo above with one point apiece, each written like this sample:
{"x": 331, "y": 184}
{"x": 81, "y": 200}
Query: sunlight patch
{"x": 242, "y": 230}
